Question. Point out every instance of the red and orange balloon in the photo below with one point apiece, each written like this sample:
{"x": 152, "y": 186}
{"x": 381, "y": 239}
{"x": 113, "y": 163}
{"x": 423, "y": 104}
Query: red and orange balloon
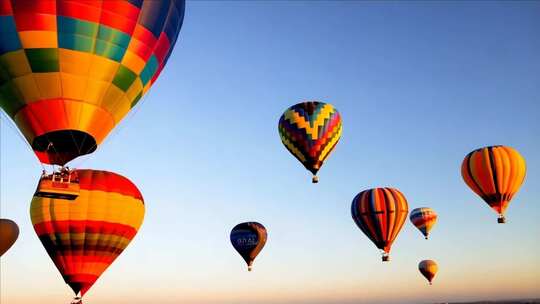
{"x": 84, "y": 236}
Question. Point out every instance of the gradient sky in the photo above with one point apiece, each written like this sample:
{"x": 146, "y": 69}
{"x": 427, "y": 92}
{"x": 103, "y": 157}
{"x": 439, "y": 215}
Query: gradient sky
{"x": 418, "y": 84}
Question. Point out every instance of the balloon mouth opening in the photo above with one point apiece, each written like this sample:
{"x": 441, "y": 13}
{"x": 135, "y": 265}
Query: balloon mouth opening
{"x": 60, "y": 147}
{"x": 76, "y": 287}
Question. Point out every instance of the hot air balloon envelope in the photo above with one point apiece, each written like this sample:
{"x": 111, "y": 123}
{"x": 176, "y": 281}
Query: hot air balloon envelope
{"x": 380, "y": 213}
{"x": 248, "y": 239}
{"x": 495, "y": 173}
{"x": 70, "y": 71}
{"x": 423, "y": 218}
{"x": 310, "y": 131}
{"x": 428, "y": 268}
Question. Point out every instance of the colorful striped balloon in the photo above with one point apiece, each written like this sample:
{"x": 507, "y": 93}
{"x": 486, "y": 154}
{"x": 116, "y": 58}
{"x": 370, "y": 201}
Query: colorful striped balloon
{"x": 310, "y": 131}
{"x": 495, "y": 173}
{"x": 71, "y": 70}
{"x": 380, "y": 213}
{"x": 84, "y": 236}
{"x": 429, "y": 269}
{"x": 249, "y": 239}
{"x": 423, "y": 218}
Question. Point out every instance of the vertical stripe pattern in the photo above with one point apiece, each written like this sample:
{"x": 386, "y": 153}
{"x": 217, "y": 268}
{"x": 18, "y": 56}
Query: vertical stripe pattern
{"x": 310, "y": 131}
{"x": 380, "y": 213}
{"x": 495, "y": 173}
{"x": 84, "y": 236}
{"x": 248, "y": 239}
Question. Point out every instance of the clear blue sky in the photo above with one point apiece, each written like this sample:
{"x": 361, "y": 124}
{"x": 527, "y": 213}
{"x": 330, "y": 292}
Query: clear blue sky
{"x": 418, "y": 84}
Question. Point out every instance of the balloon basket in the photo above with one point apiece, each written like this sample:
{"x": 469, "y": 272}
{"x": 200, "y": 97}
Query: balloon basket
{"x": 385, "y": 258}
{"x": 315, "y": 179}
{"x": 59, "y": 185}
{"x": 501, "y": 220}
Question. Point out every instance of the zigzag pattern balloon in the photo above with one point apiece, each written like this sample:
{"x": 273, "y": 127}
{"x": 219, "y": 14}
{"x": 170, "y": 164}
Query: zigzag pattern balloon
{"x": 310, "y": 131}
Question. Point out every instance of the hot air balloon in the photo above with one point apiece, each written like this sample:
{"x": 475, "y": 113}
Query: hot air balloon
{"x": 248, "y": 239}
{"x": 380, "y": 213}
{"x": 428, "y": 268}
{"x": 9, "y": 231}
{"x": 310, "y": 131}
{"x": 84, "y": 236}
{"x": 495, "y": 173}
{"x": 71, "y": 70}
{"x": 423, "y": 218}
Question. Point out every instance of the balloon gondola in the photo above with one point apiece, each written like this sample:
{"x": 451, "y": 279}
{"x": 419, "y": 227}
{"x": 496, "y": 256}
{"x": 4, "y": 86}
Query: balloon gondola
{"x": 63, "y": 184}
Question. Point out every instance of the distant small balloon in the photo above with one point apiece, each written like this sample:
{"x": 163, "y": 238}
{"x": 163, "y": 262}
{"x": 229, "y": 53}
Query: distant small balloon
{"x": 428, "y": 268}
{"x": 248, "y": 239}
{"x": 9, "y": 232}
{"x": 495, "y": 173}
{"x": 423, "y": 218}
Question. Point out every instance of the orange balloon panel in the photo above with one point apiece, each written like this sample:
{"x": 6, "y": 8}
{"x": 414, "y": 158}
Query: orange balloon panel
{"x": 84, "y": 236}
{"x": 494, "y": 173}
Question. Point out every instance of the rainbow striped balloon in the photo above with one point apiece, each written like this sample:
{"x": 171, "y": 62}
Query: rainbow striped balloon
{"x": 310, "y": 131}
{"x": 84, "y": 236}
{"x": 423, "y": 218}
{"x": 70, "y": 70}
